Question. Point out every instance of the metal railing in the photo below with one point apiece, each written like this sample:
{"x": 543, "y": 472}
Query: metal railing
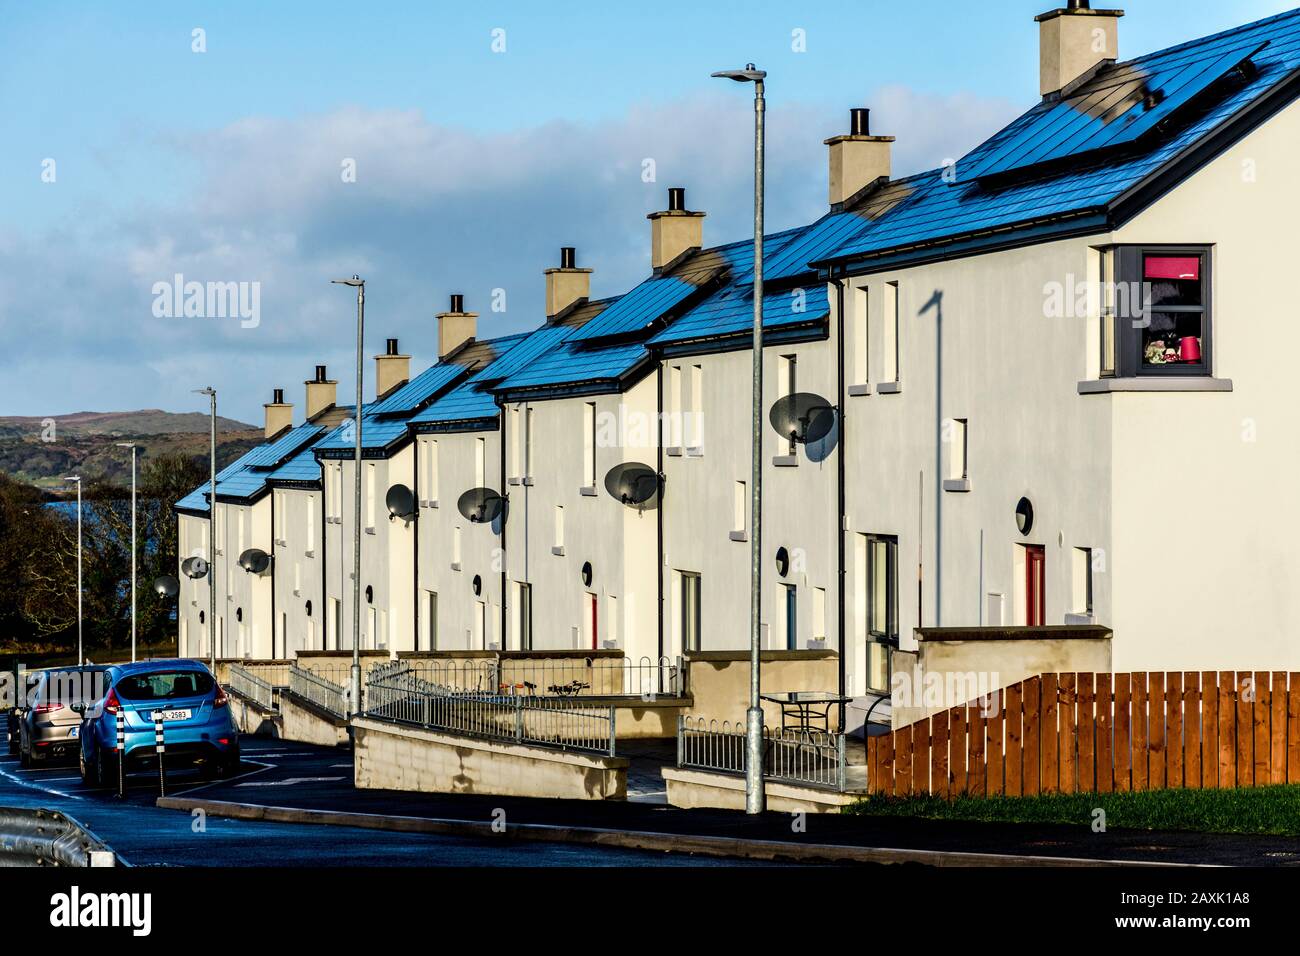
{"x": 321, "y": 691}
{"x": 398, "y": 694}
{"x": 275, "y": 673}
{"x": 558, "y": 677}
{"x": 251, "y": 687}
{"x": 811, "y": 758}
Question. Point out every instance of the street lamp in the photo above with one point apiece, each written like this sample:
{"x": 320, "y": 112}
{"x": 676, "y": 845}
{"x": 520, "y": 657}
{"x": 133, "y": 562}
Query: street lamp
{"x": 755, "y": 799}
{"x": 77, "y": 478}
{"x": 212, "y": 522}
{"x": 360, "y": 285}
{"x": 132, "y": 446}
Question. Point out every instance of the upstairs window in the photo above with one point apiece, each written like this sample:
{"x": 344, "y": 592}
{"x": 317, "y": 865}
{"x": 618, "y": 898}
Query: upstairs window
{"x": 1162, "y": 311}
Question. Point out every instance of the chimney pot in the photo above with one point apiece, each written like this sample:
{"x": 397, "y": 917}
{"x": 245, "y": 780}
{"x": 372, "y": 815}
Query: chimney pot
{"x": 320, "y": 373}
{"x": 277, "y": 396}
{"x": 391, "y": 347}
{"x": 859, "y": 121}
{"x": 457, "y": 303}
{"x": 674, "y": 231}
{"x": 1072, "y": 42}
{"x": 568, "y": 257}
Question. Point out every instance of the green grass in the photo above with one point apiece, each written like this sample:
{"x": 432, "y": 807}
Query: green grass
{"x": 1271, "y": 810}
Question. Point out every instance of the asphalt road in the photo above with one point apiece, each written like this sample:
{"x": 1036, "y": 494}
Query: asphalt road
{"x": 144, "y": 835}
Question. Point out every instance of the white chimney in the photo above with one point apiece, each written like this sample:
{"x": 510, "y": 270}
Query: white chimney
{"x": 392, "y": 370}
{"x": 455, "y": 326}
{"x": 674, "y": 231}
{"x": 279, "y": 414}
{"x": 566, "y": 286}
{"x": 321, "y": 393}
{"x": 857, "y": 160}
{"x": 1072, "y": 42}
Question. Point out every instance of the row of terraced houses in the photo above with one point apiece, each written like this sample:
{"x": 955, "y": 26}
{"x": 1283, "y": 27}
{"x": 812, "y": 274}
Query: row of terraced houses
{"x": 1061, "y": 399}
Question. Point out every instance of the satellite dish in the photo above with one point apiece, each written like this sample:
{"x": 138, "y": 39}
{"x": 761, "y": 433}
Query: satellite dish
{"x": 633, "y": 484}
{"x": 254, "y": 560}
{"x": 194, "y": 567}
{"x": 166, "y": 586}
{"x": 480, "y": 505}
{"x": 400, "y": 502}
{"x": 803, "y": 417}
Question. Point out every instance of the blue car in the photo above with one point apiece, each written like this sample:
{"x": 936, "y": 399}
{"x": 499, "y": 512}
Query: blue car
{"x": 198, "y": 727}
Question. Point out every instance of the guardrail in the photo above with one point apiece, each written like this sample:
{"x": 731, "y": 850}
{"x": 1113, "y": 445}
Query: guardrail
{"x": 564, "y": 678}
{"x": 810, "y": 758}
{"x": 321, "y": 691}
{"x": 48, "y": 838}
{"x": 397, "y": 694}
{"x": 251, "y": 687}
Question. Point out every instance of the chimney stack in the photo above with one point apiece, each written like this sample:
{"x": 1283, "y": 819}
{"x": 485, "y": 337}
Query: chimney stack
{"x": 858, "y": 159}
{"x": 566, "y": 286}
{"x": 674, "y": 231}
{"x": 279, "y": 415}
{"x": 321, "y": 393}
{"x": 1072, "y": 41}
{"x": 455, "y": 326}
{"x": 392, "y": 370}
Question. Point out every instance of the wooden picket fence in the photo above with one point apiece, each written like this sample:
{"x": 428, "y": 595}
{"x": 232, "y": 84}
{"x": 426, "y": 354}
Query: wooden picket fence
{"x": 1074, "y": 733}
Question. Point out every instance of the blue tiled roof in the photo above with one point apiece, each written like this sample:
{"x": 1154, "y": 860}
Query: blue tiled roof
{"x": 274, "y": 453}
{"x": 419, "y": 391}
{"x": 732, "y": 311}
{"x": 247, "y": 476}
{"x": 523, "y": 350}
{"x": 929, "y": 208}
{"x": 301, "y": 467}
{"x": 571, "y": 363}
{"x": 471, "y": 400}
{"x": 657, "y": 297}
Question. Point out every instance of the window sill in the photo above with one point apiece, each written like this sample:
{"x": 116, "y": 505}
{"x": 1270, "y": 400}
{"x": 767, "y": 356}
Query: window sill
{"x": 514, "y": 481}
{"x": 528, "y": 482}
{"x": 370, "y": 531}
{"x": 587, "y": 491}
{"x": 455, "y": 565}
{"x": 1075, "y": 618}
{"x": 1156, "y": 383}
{"x": 738, "y": 536}
{"x": 673, "y": 451}
{"x": 889, "y": 388}
{"x": 309, "y": 554}
{"x": 863, "y": 389}
{"x": 956, "y": 484}
{"x": 433, "y": 503}
{"x": 297, "y": 592}
{"x": 786, "y": 461}
{"x": 558, "y": 551}
{"x": 281, "y": 543}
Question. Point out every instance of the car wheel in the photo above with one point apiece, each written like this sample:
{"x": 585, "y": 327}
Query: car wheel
{"x": 105, "y": 772}
{"x": 85, "y": 771}
{"x": 13, "y": 745}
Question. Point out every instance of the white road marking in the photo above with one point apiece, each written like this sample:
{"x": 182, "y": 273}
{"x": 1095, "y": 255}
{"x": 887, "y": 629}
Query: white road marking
{"x": 340, "y": 766}
{"x": 36, "y": 786}
{"x": 288, "y": 781}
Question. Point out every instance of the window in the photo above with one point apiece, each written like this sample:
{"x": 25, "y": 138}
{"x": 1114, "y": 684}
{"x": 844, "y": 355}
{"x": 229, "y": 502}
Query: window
{"x": 787, "y": 383}
{"x": 479, "y": 637}
{"x": 675, "y": 408}
{"x": 819, "y": 614}
{"x": 524, "y": 615}
{"x": 1081, "y": 575}
{"x": 1162, "y": 311}
{"x": 297, "y": 578}
{"x": 882, "y": 606}
{"x": 516, "y": 461}
{"x": 480, "y": 462}
{"x": 739, "y": 508}
{"x": 694, "y": 426}
{"x": 455, "y": 548}
{"x": 528, "y": 442}
{"x": 1106, "y": 362}
{"x": 429, "y": 480}
{"x": 790, "y": 606}
{"x": 370, "y": 497}
{"x": 889, "y": 328}
{"x": 589, "y": 444}
{"x": 955, "y": 437}
{"x": 860, "y": 328}
{"x": 431, "y": 618}
{"x": 307, "y": 504}
{"x": 611, "y": 622}
{"x": 277, "y": 503}
{"x": 690, "y": 607}
{"x": 334, "y": 624}
{"x": 558, "y": 547}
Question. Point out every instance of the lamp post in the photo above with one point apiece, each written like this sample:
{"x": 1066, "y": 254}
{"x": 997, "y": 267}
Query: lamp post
{"x": 132, "y": 446}
{"x": 80, "y": 654}
{"x": 359, "y": 284}
{"x": 212, "y": 522}
{"x": 755, "y": 799}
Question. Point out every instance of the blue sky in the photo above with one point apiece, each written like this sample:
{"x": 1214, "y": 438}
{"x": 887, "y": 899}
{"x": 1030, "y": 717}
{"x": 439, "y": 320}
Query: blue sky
{"x": 473, "y": 164}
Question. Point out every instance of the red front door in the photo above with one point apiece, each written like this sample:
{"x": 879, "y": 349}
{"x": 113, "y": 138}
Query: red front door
{"x": 592, "y": 599}
{"x": 1034, "y": 584}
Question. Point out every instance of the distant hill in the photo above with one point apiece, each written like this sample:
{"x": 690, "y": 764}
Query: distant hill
{"x": 85, "y": 443}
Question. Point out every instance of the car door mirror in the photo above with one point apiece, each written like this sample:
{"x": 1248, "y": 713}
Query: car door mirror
{"x": 79, "y": 708}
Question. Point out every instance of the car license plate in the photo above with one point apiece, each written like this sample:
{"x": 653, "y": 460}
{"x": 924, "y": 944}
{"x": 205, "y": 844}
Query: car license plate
{"x": 74, "y": 732}
{"x": 169, "y": 715}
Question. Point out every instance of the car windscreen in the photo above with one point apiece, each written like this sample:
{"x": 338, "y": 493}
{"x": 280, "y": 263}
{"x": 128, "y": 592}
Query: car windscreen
{"x": 164, "y": 685}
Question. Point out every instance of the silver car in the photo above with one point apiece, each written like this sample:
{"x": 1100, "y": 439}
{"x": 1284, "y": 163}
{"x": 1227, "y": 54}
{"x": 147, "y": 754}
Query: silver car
{"x": 48, "y": 725}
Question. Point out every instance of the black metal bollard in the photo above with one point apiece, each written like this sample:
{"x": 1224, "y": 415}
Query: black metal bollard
{"x": 121, "y": 755}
